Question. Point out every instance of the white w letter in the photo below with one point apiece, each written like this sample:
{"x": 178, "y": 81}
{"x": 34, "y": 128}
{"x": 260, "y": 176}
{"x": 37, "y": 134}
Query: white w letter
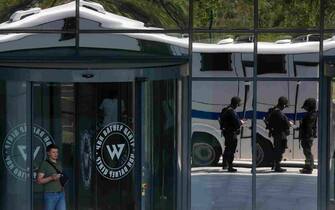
{"x": 115, "y": 151}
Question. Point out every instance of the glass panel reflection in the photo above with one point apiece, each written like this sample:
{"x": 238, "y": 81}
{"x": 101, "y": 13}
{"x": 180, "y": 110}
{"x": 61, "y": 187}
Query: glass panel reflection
{"x": 98, "y": 105}
{"x": 222, "y": 55}
{"x": 135, "y": 14}
{"x": 216, "y": 156}
{"x": 72, "y": 116}
{"x": 331, "y": 160}
{"x": 329, "y": 14}
{"x": 40, "y": 14}
{"x": 223, "y": 14}
{"x": 53, "y": 117}
{"x": 40, "y": 47}
{"x": 159, "y": 164}
{"x": 289, "y": 14}
{"x": 288, "y": 55}
{"x": 137, "y": 44}
{"x": 329, "y": 53}
{"x": 287, "y": 144}
{"x": 15, "y": 149}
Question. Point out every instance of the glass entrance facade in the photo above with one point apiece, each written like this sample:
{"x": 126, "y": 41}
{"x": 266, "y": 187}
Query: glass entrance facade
{"x": 74, "y": 114}
{"x": 94, "y": 126}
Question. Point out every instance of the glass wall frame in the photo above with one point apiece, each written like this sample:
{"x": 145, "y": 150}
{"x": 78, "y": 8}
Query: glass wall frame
{"x": 323, "y": 23}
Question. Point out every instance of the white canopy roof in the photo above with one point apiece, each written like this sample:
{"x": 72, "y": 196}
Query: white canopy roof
{"x": 111, "y": 21}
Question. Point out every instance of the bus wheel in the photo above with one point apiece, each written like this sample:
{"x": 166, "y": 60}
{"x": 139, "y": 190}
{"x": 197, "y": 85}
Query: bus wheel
{"x": 203, "y": 154}
{"x": 206, "y": 149}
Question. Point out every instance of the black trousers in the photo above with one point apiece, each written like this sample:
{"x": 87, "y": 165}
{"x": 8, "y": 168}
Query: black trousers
{"x": 230, "y": 146}
{"x": 306, "y": 145}
{"x": 279, "y": 147}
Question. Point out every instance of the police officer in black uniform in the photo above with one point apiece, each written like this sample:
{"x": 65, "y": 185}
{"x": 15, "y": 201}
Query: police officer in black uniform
{"x": 279, "y": 127}
{"x": 230, "y": 127}
{"x": 307, "y": 131}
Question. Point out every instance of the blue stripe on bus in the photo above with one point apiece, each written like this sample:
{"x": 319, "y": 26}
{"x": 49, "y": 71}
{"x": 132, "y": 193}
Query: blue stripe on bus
{"x": 248, "y": 115}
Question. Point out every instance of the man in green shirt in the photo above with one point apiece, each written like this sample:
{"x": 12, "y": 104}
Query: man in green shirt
{"x": 54, "y": 198}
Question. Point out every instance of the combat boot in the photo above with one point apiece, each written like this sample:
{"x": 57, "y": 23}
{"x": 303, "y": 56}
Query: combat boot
{"x": 279, "y": 169}
{"x": 306, "y": 171}
{"x": 230, "y": 167}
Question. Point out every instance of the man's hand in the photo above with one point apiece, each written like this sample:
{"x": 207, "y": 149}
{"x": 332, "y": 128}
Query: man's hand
{"x": 291, "y": 123}
{"x": 55, "y": 177}
{"x": 41, "y": 179}
{"x": 243, "y": 121}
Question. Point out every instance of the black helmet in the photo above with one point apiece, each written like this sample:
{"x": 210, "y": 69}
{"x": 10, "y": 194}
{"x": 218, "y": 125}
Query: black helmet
{"x": 235, "y": 101}
{"x": 282, "y": 101}
{"x": 309, "y": 104}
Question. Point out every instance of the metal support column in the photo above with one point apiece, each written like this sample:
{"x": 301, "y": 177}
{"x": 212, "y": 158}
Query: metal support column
{"x": 138, "y": 141}
{"x": 254, "y": 105}
{"x": 324, "y": 95}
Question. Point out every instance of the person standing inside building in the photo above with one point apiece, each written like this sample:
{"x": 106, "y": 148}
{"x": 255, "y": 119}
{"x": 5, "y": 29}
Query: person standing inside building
{"x": 230, "y": 125}
{"x": 307, "y": 131}
{"x": 112, "y": 108}
{"x": 49, "y": 176}
{"x": 279, "y": 128}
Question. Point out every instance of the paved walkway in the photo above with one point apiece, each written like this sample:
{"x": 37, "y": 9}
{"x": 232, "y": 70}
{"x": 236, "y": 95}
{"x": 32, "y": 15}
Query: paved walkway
{"x": 216, "y": 189}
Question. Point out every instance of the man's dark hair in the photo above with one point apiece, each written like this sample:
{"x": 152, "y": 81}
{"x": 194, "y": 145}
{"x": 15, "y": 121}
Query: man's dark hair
{"x": 52, "y": 146}
{"x": 283, "y": 101}
{"x": 235, "y": 101}
{"x": 309, "y": 104}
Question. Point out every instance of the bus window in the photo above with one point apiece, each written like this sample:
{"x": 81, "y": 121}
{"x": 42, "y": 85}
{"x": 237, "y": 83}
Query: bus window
{"x": 216, "y": 62}
{"x": 314, "y": 38}
{"x": 268, "y": 64}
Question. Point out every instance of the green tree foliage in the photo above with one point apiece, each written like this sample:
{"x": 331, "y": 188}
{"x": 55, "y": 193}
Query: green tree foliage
{"x": 330, "y": 14}
{"x": 223, "y": 13}
{"x": 236, "y": 14}
{"x": 289, "y": 13}
{"x": 161, "y": 13}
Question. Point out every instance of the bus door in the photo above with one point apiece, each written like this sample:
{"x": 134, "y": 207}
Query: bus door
{"x": 246, "y": 96}
{"x": 301, "y": 69}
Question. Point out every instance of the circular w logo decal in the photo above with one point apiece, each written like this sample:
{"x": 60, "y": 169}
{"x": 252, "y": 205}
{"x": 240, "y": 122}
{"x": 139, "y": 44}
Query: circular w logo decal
{"x": 115, "y": 151}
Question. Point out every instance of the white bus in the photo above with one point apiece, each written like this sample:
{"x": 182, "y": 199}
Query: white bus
{"x": 298, "y": 58}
